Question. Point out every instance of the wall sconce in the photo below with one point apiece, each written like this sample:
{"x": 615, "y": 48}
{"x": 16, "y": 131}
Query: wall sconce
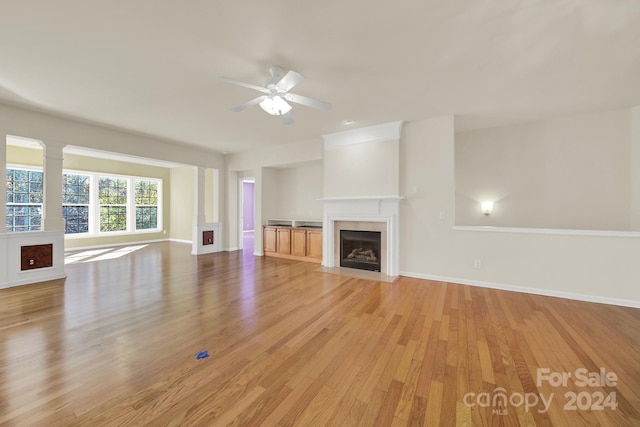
{"x": 486, "y": 207}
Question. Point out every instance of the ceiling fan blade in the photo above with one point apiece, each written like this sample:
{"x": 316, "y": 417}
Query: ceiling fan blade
{"x": 243, "y": 84}
{"x": 254, "y": 101}
{"x": 289, "y": 80}
{"x": 287, "y": 119}
{"x": 309, "y": 102}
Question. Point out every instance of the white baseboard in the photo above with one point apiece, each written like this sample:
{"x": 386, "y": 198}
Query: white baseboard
{"x": 188, "y": 242}
{"x": 141, "y": 242}
{"x": 535, "y": 291}
{"x": 31, "y": 281}
{"x": 232, "y": 249}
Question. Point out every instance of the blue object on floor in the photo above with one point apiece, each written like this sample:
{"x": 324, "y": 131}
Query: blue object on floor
{"x": 202, "y": 355}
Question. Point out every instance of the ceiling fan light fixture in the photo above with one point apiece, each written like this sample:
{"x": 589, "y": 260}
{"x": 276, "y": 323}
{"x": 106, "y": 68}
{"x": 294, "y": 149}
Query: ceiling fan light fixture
{"x": 275, "y": 105}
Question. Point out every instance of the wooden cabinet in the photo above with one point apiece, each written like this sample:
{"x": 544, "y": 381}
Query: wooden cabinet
{"x": 284, "y": 241}
{"x": 314, "y": 244}
{"x": 298, "y": 242}
{"x": 269, "y": 239}
{"x": 303, "y": 244}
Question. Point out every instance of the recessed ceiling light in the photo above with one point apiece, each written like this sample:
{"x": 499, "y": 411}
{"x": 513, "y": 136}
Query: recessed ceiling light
{"x": 348, "y": 121}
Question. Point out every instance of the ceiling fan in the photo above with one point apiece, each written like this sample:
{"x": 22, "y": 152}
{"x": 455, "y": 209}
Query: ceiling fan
{"x": 276, "y": 94}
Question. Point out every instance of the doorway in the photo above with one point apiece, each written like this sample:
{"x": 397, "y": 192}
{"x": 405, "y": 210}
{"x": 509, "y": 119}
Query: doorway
{"x": 248, "y": 220}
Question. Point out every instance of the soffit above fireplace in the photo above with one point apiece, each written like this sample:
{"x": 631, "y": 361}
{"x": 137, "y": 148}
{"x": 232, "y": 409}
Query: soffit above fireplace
{"x": 362, "y": 162}
{"x": 371, "y": 134}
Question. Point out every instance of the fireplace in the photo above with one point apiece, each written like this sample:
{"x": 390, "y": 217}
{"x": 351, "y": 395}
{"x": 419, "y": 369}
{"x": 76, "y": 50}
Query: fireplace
{"x": 360, "y": 249}
{"x": 375, "y": 213}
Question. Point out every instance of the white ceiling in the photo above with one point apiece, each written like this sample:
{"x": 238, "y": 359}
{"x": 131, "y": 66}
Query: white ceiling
{"x": 151, "y": 66}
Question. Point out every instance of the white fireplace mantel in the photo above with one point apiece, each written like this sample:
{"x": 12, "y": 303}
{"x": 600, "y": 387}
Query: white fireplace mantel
{"x": 379, "y": 209}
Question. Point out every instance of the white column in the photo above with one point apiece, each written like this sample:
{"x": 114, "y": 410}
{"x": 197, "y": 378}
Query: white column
{"x": 198, "y": 196}
{"x": 52, "y": 191}
{"x": 232, "y": 212}
{"x": 198, "y": 208}
{"x": 3, "y": 187}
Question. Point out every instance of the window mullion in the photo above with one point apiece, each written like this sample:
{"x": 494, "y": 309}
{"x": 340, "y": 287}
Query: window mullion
{"x": 94, "y": 205}
{"x": 131, "y": 218}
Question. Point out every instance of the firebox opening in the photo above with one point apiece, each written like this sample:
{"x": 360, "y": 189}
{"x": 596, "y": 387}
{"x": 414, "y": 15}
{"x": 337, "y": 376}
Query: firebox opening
{"x": 360, "y": 249}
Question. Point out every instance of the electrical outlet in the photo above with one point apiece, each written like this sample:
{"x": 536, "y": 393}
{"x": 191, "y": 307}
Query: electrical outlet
{"x": 443, "y": 215}
{"x": 477, "y": 264}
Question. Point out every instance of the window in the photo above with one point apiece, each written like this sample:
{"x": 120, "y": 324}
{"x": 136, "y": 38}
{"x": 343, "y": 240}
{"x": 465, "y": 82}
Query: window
{"x": 92, "y": 203}
{"x": 75, "y": 202}
{"x": 24, "y": 199}
{"x": 112, "y": 198}
{"x": 146, "y": 204}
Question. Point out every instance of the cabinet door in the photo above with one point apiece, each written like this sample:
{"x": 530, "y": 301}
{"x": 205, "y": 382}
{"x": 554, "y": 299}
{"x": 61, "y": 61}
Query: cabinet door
{"x": 298, "y": 242}
{"x": 269, "y": 239}
{"x": 284, "y": 241}
{"x": 314, "y": 244}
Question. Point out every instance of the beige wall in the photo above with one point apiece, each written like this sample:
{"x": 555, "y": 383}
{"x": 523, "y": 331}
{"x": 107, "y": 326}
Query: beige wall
{"x": 599, "y": 266}
{"x": 24, "y": 156}
{"x": 298, "y": 191}
{"x": 257, "y": 164}
{"x": 270, "y": 195}
{"x": 566, "y": 173}
{"x": 635, "y": 168}
{"x": 182, "y": 202}
{"x": 363, "y": 169}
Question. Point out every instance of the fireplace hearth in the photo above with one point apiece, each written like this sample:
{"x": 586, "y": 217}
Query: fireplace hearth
{"x": 360, "y": 249}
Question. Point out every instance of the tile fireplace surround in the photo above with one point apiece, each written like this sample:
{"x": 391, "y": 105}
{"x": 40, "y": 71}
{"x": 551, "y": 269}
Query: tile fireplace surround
{"x": 374, "y": 213}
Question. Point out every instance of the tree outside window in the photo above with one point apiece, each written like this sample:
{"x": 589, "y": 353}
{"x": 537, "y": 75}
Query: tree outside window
{"x": 24, "y": 200}
{"x": 112, "y": 198}
{"x": 75, "y": 203}
{"x": 146, "y": 199}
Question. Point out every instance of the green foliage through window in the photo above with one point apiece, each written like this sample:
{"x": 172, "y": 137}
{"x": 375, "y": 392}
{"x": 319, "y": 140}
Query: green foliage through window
{"x": 146, "y": 196}
{"x": 112, "y": 197}
{"x": 75, "y": 203}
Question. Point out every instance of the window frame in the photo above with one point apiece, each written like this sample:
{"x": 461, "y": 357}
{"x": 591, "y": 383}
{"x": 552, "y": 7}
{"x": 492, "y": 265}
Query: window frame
{"x": 126, "y": 205}
{"x": 157, "y": 205}
{"x": 94, "y": 205}
{"x": 26, "y": 168}
{"x": 89, "y": 205}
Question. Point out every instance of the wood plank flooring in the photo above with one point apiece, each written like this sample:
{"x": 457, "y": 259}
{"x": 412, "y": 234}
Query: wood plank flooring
{"x": 115, "y": 344}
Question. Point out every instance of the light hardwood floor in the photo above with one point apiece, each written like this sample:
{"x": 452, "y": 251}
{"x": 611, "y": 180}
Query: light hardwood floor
{"x": 115, "y": 344}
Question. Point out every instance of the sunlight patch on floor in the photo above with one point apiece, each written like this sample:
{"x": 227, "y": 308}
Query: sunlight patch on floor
{"x": 100, "y": 254}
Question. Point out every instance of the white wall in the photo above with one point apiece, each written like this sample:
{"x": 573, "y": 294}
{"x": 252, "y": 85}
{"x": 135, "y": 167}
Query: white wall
{"x": 568, "y": 173}
{"x": 588, "y": 267}
{"x": 364, "y": 169}
{"x": 635, "y": 169}
{"x": 44, "y": 127}
{"x": 278, "y": 156}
